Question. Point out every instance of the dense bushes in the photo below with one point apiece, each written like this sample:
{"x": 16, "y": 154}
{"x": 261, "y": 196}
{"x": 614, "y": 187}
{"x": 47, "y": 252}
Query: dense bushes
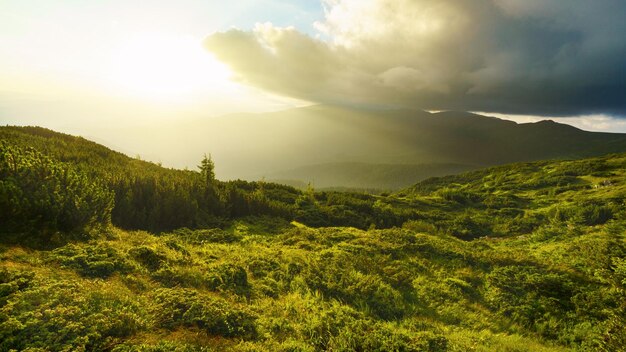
{"x": 207, "y": 236}
{"x": 367, "y": 292}
{"x": 97, "y": 260}
{"x": 13, "y": 281}
{"x": 530, "y": 295}
{"x": 148, "y": 257}
{"x": 591, "y": 213}
{"x": 149, "y": 197}
{"x": 181, "y": 307}
{"x": 319, "y": 289}
{"x": 64, "y": 316}
{"x": 48, "y": 200}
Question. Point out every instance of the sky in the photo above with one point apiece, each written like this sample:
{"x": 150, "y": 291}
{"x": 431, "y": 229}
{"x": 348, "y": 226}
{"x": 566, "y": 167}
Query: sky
{"x": 100, "y": 68}
{"x": 69, "y": 63}
{"x": 558, "y": 58}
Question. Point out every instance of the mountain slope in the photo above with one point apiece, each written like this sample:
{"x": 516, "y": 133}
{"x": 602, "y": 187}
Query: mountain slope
{"x": 146, "y": 195}
{"x": 365, "y": 175}
{"x": 250, "y": 146}
{"x": 527, "y": 256}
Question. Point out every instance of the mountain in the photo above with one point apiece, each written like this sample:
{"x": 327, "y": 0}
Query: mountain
{"x": 518, "y": 257}
{"x": 328, "y": 145}
{"x": 363, "y": 175}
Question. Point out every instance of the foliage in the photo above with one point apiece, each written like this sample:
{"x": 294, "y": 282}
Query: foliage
{"x": 180, "y": 307}
{"x": 513, "y": 258}
{"x": 41, "y": 198}
{"x": 98, "y": 260}
{"x": 64, "y": 315}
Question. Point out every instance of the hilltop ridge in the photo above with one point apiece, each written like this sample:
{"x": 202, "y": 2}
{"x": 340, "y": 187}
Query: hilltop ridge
{"x": 279, "y": 145}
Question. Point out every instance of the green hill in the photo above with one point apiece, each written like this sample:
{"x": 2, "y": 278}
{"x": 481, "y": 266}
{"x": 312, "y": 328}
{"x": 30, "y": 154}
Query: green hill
{"x": 146, "y": 195}
{"x": 520, "y": 257}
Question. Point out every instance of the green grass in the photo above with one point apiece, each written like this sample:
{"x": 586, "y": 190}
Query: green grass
{"x": 318, "y": 289}
{"x": 523, "y": 257}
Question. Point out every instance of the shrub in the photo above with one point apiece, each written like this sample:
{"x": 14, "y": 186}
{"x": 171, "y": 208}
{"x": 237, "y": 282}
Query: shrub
{"x": 367, "y": 292}
{"x": 228, "y": 277}
{"x": 221, "y": 277}
{"x": 161, "y": 346}
{"x": 100, "y": 260}
{"x": 531, "y": 296}
{"x": 147, "y": 257}
{"x": 467, "y": 227}
{"x": 207, "y": 236}
{"x": 66, "y": 316}
{"x": 40, "y": 196}
{"x": 184, "y": 307}
{"x": 12, "y": 281}
{"x": 459, "y": 196}
{"x": 368, "y": 336}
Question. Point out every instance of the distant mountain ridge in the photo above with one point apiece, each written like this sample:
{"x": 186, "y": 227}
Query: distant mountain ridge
{"x": 347, "y": 147}
{"x": 341, "y": 147}
{"x": 364, "y": 175}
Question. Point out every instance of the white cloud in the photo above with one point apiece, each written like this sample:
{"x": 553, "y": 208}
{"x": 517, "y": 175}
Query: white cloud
{"x": 549, "y": 57}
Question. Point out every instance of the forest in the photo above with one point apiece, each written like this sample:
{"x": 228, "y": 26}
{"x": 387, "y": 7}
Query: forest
{"x": 103, "y": 252}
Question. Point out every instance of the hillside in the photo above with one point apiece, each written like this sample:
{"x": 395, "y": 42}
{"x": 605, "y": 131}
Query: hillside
{"x": 325, "y": 141}
{"x": 528, "y": 256}
{"x": 365, "y": 175}
{"x": 145, "y": 195}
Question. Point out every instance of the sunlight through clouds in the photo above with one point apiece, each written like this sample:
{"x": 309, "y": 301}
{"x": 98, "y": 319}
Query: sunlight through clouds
{"x": 552, "y": 58}
{"x": 165, "y": 68}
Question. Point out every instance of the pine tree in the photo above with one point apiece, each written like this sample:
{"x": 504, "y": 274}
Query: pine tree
{"x": 207, "y": 169}
{"x": 211, "y": 197}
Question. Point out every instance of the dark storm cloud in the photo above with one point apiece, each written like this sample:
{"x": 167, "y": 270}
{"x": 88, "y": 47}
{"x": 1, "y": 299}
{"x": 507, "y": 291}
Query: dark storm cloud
{"x": 548, "y": 57}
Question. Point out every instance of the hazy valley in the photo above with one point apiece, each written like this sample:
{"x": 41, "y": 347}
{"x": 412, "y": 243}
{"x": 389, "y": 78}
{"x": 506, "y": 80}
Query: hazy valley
{"x": 388, "y": 149}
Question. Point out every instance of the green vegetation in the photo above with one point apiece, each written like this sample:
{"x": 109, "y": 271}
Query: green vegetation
{"x": 523, "y": 257}
{"x": 40, "y": 198}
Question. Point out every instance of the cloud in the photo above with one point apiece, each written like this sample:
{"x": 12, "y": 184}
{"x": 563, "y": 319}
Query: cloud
{"x": 542, "y": 57}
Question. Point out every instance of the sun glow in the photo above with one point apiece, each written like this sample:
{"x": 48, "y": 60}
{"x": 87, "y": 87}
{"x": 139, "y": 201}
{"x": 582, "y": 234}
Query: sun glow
{"x": 164, "y": 68}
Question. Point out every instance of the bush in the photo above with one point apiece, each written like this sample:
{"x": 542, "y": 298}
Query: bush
{"x": 172, "y": 276}
{"x": 531, "y": 296}
{"x": 66, "y": 316}
{"x": 369, "y": 336}
{"x": 207, "y": 236}
{"x": 12, "y": 281}
{"x": 594, "y": 214}
{"x": 589, "y": 214}
{"x": 228, "y": 277}
{"x": 184, "y": 307}
{"x": 459, "y": 196}
{"x": 162, "y": 346}
{"x": 100, "y": 260}
{"x": 147, "y": 257}
{"x": 40, "y": 197}
{"x": 368, "y": 292}
{"x": 467, "y": 227}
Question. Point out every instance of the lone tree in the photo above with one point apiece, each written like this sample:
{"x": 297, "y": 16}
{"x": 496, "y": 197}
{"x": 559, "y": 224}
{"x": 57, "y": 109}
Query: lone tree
{"x": 207, "y": 169}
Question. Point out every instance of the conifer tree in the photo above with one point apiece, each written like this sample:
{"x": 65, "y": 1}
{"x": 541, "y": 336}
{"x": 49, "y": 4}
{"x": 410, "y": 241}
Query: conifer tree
{"x": 207, "y": 169}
